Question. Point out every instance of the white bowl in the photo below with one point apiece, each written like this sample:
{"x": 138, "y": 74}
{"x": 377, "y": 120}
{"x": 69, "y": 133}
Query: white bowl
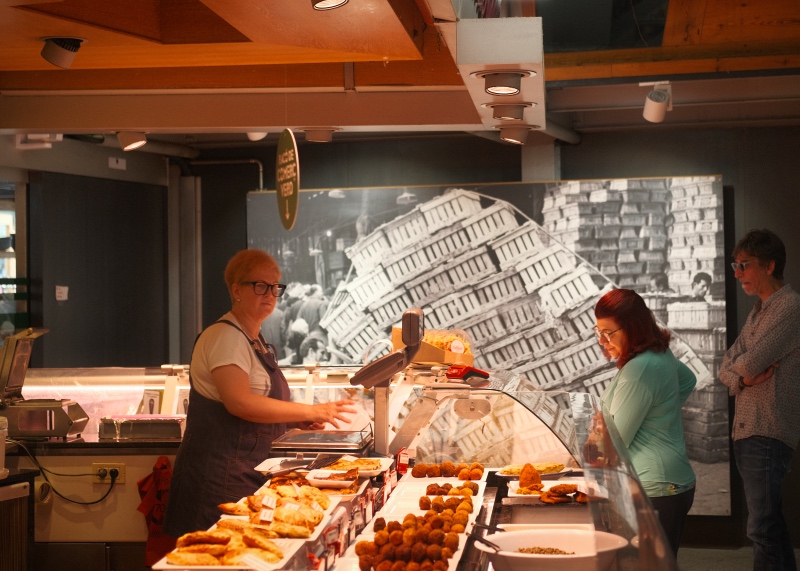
{"x": 593, "y": 550}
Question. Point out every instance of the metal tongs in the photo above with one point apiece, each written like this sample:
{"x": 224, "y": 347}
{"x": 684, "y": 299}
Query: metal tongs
{"x": 321, "y": 461}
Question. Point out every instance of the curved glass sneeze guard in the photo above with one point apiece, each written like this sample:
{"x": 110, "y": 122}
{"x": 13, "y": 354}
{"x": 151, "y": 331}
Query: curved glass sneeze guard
{"x": 519, "y": 426}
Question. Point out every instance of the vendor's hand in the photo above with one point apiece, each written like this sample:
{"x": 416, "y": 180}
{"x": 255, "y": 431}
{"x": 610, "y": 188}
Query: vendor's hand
{"x": 761, "y": 377}
{"x": 333, "y": 412}
{"x": 310, "y": 425}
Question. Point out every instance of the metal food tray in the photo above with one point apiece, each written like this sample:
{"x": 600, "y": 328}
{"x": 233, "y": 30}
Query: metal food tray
{"x": 356, "y": 442}
{"x": 141, "y": 427}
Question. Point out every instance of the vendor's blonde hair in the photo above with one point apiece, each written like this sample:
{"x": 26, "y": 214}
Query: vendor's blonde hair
{"x": 243, "y": 263}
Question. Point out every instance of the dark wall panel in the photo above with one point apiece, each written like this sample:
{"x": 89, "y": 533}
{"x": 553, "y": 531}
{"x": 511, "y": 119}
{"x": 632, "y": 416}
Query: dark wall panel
{"x": 106, "y": 241}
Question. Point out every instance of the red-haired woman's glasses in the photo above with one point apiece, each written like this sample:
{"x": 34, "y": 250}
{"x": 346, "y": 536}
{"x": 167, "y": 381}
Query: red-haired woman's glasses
{"x": 604, "y": 335}
{"x": 261, "y": 288}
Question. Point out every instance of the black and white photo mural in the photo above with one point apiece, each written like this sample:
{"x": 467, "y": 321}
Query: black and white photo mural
{"x": 519, "y": 268}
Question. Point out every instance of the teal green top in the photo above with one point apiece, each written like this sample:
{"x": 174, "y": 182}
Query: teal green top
{"x": 645, "y": 399}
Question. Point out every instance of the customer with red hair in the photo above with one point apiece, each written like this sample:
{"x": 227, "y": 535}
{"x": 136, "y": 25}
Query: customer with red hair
{"x": 644, "y": 399}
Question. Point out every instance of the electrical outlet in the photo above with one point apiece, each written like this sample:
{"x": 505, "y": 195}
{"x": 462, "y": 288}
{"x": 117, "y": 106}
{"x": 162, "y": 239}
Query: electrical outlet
{"x": 106, "y": 478}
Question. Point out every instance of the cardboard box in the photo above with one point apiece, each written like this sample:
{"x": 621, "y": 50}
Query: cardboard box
{"x": 430, "y": 355}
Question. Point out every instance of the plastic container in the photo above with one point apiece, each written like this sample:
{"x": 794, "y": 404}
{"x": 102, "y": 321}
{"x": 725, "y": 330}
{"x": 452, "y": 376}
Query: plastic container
{"x": 3, "y": 435}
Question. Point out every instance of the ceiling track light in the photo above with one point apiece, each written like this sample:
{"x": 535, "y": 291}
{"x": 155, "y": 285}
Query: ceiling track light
{"x": 657, "y": 102}
{"x": 327, "y": 4}
{"x": 319, "y": 135}
{"x": 515, "y": 135}
{"x": 503, "y": 81}
{"x": 130, "y": 140}
{"x": 60, "y": 51}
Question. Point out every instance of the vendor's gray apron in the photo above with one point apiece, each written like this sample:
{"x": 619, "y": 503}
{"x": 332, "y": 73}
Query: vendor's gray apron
{"x": 216, "y": 459}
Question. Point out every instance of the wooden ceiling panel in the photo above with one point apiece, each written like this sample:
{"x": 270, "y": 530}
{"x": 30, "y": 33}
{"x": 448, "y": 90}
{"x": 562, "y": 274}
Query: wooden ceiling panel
{"x": 368, "y": 26}
{"x": 139, "y": 18}
{"x": 755, "y": 21}
{"x": 684, "y": 25}
{"x": 191, "y": 22}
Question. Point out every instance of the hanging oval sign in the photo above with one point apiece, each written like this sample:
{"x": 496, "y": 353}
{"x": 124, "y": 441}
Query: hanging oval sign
{"x": 287, "y": 178}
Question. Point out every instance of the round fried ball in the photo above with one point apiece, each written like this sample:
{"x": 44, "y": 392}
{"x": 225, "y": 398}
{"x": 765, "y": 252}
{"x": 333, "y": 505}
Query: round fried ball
{"x": 434, "y": 552}
{"x": 399, "y": 566}
{"x": 464, "y": 507}
{"x": 461, "y": 517}
{"x": 379, "y": 524}
{"x": 451, "y": 541}
{"x": 418, "y": 551}
{"x": 424, "y": 503}
{"x": 421, "y": 535}
{"x": 426, "y": 565}
{"x": 440, "y": 565}
{"x": 412, "y": 566}
{"x": 433, "y": 471}
{"x": 381, "y": 538}
{"x": 403, "y": 553}
{"x": 436, "y": 522}
{"x": 387, "y": 552}
{"x": 393, "y": 526}
{"x": 452, "y": 502}
{"x": 396, "y": 537}
{"x": 476, "y": 474}
{"x": 432, "y": 489}
{"x": 435, "y": 537}
{"x": 447, "y": 553}
{"x": 457, "y": 528}
{"x": 419, "y": 470}
{"x": 384, "y": 565}
{"x": 448, "y": 469}
{"x": 366, "y": 548}
{"x": 462, "y": 466}
{"x": 463, "y": 474}
{"x": 409, "y": 535}
{"x": 365, "y": 562}
{"x": 472, "y": 486}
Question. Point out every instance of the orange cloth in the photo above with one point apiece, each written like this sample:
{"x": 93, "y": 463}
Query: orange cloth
{"x": 153, "y": 491}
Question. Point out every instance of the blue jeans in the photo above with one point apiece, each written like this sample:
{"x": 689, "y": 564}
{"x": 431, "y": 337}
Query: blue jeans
{"x": 763, "y": 464}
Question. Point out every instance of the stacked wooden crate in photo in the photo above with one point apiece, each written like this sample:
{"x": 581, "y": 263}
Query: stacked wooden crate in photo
{"x": 617, "y": 226}
{"x": 701, "y": 325}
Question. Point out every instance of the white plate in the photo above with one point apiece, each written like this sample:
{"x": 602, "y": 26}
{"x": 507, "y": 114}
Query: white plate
{"x": 386, "y": 463}
{"x": 318, "y": 478}
{"x": 551, "y": 476}
{"x": 288, "y": 546}
{"x": 513, "y": 486}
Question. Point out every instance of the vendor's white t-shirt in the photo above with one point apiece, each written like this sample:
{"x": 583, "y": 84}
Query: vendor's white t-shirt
{"x": 220, "y": 345}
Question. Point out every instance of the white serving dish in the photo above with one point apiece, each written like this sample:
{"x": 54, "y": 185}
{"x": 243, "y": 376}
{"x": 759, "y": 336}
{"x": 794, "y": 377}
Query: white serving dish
{"x": 318, "y": 478}
{"x": 592, "y": 549}
{"x": 513, "y": 486}
{"x": 288, "y": 546}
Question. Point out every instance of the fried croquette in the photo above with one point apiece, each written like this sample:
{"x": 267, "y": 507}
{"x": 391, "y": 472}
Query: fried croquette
{"x": 433, "y": 471}
{"x": 434, "y": 551}
{"x": 432, "y": 489}
{"x": 396, "y": 537}
{"x": 448, "y": 469}
{"x": 366, "y": 548}
{"x": 379, "y": 524}
{"x": 463, "y": 474}
{"x": 365, "y": 562}
{"x": 399, "y": 565}
{"x": 419, "y": 470}
{"x": 562, "y": 489}
{"x": 436, "y": 537}
{"x": 529, "y": 476}
{"x": 451, "y": 541}
{"x": 403, "y": 553}
{"x": 381, "y": 538}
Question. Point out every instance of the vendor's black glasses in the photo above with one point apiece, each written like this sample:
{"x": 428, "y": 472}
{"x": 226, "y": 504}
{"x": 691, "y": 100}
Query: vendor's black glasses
{"x": 261, "y": 288}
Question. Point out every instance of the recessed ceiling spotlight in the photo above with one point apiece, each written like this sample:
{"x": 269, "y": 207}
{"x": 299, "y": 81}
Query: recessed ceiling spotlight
{"x": 256, "y": 136}
{"x": 130, "y": 140}
{"x": 327, "y": 4}
{"x": 508, "y": 111}
{"x": 319, "y": 134}
{"x": 515, "y": 135}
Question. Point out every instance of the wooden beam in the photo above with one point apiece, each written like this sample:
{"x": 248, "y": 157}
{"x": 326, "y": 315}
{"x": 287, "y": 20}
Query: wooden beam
{"x": 684, "y": 25}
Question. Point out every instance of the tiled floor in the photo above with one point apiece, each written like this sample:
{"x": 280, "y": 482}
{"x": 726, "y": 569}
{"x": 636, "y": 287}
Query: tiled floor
{"x": 692, "y": 559}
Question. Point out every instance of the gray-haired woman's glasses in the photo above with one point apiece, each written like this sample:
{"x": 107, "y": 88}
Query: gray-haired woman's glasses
{"x": 261, "y": 288}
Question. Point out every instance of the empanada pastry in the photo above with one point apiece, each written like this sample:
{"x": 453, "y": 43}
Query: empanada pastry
{"x": 215, "y": 549}
{"x": 236, "y": 556}
{"x": 562, "y": 489}
{"x": 550, "y": 499}
{"x": 181, "y": 558}
{"x": 202, "y": 537}
{"x": 253, "y": 539}
{"x": 288, "y": 530}
{"x": 232, "y": 508}
{"x": 291, "y": 515}
{"x": 232, "y": 524}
